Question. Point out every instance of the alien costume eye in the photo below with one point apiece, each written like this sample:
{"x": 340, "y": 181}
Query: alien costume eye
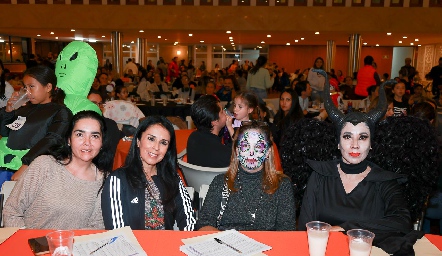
{"x": 74, "y": 56}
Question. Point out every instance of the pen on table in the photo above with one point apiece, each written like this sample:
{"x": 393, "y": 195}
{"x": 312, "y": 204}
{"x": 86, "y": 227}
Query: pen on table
{"x": 101, "y": 246}
{"x": 226, "y": 244}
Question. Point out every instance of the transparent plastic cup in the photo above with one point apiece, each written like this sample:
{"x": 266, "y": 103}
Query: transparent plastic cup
{"x": 60, "y": 242}
{"x": 317, "y": 233}
{"x": 22, "y": 98}
{"x": 359, "y": 242}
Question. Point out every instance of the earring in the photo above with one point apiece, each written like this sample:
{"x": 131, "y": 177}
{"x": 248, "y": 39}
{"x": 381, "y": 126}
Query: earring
{"x": 69, "y": 144}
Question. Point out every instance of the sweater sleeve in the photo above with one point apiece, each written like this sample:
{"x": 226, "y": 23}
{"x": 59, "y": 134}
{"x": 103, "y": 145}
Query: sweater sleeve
{"x": 56, "y": 130}
{"x": 111, "y": 203}
{"x": 268, "y": 81}
{"x": 96, "y": 219}
{"x": 185, "y": 216}
{"x": 286, "y": 214}
{"x": 25, "y": 191}
{"x": 211, "y": 207}
{"x": 396, "y": 216}
{"x": 6, "y": 118}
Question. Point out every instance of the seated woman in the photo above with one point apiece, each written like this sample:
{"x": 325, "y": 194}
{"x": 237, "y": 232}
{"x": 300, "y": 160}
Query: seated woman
{"x": 147, "y": 192}
{"x": 62, "y": 190}
{"x": 289, "y": 112}
{"x": 364, "y": 196}
{"x": 252, "y": 195}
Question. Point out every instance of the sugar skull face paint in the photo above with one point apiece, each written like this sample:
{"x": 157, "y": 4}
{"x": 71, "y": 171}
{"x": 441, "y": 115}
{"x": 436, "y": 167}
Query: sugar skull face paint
{"x": 252, "y": 150}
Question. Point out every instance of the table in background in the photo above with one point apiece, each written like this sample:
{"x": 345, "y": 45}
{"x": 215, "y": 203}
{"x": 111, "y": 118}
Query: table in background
{"x": 168, "y": 242}
{"x": 124, "y": 146}
{"x": 171, "y": 109}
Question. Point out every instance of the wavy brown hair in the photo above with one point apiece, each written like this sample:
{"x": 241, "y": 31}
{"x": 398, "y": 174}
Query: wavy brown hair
{"x": 271, "y": 178}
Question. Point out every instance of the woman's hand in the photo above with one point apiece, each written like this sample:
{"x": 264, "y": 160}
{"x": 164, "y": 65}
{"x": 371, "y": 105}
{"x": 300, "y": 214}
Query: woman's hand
{"x": 336, "y": 228}
{"x": 11, "y": 101}
{"x": 208, "y": 228}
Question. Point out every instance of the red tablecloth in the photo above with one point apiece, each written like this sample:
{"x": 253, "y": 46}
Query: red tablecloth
{"x": 168, "y": 242}
{"x": 124, "y": 146}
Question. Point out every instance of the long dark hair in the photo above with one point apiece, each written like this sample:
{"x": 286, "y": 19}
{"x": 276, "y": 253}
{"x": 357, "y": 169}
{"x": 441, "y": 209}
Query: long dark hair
{"x": 260, "y": 63}
{"x": 314, "y": 63}
{"x": 45, "y": 75}
{"x": 295, "y": 113}
{"x": 62, "y": 152}
{"x": 166, "y": 168}
{"x": 2, "y": 82}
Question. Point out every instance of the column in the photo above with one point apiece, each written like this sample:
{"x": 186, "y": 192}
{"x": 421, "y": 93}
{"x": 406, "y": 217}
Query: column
{"x": 117, "y": 51}
{"x": 141, "y": 50}
{"x": 354, "y": 53}
{"x": 330, "y": 58}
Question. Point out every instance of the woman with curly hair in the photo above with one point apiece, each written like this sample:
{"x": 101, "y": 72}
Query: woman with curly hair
{"x": 252, "y": 195}
{"x": 365, "y": 196}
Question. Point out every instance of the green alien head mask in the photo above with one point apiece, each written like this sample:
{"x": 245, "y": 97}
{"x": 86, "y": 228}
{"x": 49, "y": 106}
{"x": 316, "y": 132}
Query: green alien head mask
{"x": 75, "y": 69}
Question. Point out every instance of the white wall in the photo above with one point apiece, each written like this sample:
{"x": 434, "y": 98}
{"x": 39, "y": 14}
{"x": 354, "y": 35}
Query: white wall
{"x": 399, "y": 55}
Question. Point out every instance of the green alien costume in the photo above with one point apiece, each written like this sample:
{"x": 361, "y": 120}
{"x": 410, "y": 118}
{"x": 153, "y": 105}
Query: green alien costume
{"x": 76, "y": 68}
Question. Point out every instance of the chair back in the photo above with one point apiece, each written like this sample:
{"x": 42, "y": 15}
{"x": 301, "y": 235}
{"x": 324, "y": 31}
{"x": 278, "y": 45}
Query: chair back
{"x": 198, "y": 175}
{"x": 123, "y": 112}
{"x": 203, "y": 193}
{"x": 4, "y": 194}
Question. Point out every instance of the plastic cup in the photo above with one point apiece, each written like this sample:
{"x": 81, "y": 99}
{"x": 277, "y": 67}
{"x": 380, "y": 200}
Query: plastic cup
{"x": 317, "y": 233}
{"x": 22, "y": 98}
{"x": 359, "y": 242}
{"x": 60, "y": 242}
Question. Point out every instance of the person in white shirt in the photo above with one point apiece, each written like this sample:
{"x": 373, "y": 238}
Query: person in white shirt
{"x": 316, "y": 80}
{"x": 6, "y": 88}
{"x": 157, "y": 85}
{"x": 304, "y": 90}
{"x": 130, "y": 65}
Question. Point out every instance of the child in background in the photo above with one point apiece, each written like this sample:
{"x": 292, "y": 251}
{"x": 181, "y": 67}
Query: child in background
{"x": 400, "y": 104}
{"x": 417, "y": 97}
{"x": 262, "y": 113}
{"x": 243, "y": 106}
{"x": 121, "y": 93}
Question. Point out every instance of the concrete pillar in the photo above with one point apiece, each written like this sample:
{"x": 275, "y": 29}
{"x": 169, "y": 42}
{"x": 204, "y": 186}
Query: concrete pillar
{"x": 354, "y": 53}
{"x": 117, "y": 51}
{"x": 330, "y": 58}
{"x": 141, "y": 50}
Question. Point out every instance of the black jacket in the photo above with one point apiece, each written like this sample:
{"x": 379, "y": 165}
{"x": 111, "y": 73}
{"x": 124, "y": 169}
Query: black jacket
{"x": 123, "y": 205}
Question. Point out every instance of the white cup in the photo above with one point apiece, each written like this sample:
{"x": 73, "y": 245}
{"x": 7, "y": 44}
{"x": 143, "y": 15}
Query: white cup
{"x": 22, "y": 98}
{"x": 317, "y": 233}
{"x": 61, "y": 242}
{"x": 359, "y": 242}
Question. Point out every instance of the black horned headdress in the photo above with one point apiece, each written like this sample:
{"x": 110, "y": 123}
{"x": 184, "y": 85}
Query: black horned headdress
{"x": 355, "y": 117}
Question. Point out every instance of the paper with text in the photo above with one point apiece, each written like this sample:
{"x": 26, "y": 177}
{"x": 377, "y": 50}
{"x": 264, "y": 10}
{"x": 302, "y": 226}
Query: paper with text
{"x": 231, "y": 243}
{"x": 117, "y": 242}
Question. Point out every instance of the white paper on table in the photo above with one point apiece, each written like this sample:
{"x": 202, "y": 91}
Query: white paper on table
{"x": 207, "y": 246}
{"x": 126, "y": 244}
{"x": 422, "y": 247}
{"x": 5, "y": 233}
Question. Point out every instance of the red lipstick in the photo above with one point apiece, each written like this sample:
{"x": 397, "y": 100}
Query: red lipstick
{"x": 354, "y": 154}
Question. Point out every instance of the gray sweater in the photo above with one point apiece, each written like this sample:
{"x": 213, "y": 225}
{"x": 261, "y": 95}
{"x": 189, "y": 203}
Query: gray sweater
{"x": 273, "y": 212}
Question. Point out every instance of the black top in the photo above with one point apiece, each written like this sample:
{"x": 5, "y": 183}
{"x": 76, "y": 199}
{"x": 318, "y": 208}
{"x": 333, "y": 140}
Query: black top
{"x": 272, "y": 212}
{"x": 113, "y": 134}
{"x": 45, "y": 125}
{"x": 123, "y": 205}
{"x": 205, "y": 149}
{"x": 376, "y": 203}
{"x": 400, "y": 108}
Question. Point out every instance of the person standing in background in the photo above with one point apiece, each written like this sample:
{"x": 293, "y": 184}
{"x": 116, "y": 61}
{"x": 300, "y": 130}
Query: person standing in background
{"x": 316, "y": 80}
{"x": 436, "y": 75}
{"x": 260, "y": 79}
{"x": 367, "y": 76}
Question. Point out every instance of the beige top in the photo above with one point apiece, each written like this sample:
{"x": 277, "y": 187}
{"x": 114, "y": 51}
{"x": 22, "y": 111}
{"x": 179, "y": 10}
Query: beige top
{"x": 48, "y": 196}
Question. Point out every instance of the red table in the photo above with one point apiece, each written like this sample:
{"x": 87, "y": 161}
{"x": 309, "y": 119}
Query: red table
{"x": 168, "y": 242}
{"x": 124, "y": 146}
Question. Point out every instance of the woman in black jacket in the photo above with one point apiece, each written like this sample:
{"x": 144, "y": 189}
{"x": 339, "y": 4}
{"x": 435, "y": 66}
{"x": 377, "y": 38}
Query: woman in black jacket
{"x": 147, "y": 192}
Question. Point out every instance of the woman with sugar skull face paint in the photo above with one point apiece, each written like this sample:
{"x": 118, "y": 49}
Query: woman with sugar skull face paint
{"x": 252, "y": 195}
{"x": 351, "y": 192}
